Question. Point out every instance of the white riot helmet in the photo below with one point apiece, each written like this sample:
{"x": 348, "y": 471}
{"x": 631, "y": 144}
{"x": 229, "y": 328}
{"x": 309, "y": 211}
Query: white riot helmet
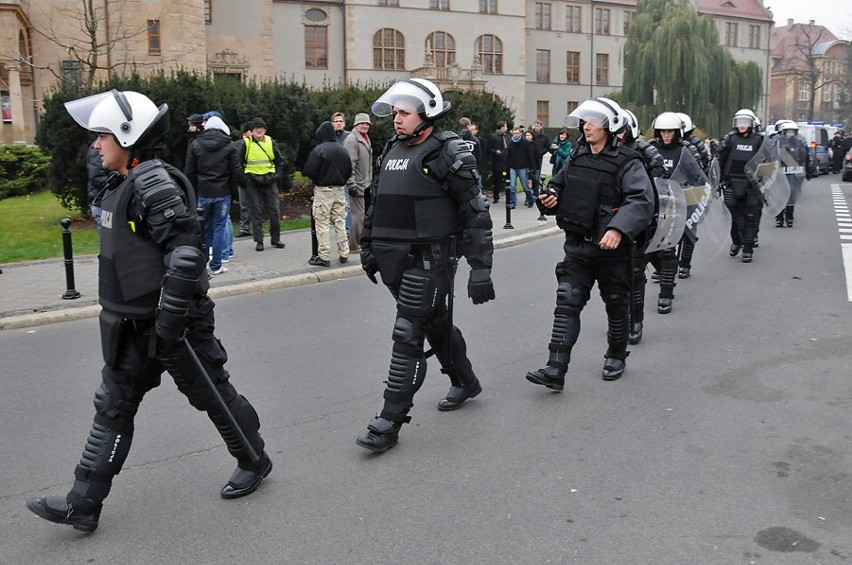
{"x": 745, "y": 117}
{"x": 778, "y": 124}
{"x": 421, "y": 95}
{"x": 601, "y": 112}
{"x": 786, "y": 125}
{"x": 688, "y": 126}
{"x": 131, "y": 117}
{"x": 632, "y": 124}
{"x": 667, "y": 121}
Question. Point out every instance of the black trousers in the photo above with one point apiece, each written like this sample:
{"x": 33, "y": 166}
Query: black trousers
{"x": 135, "y": 360}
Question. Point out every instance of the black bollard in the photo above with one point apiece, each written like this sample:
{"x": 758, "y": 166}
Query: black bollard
{"x": 509, "y": 188}
{"x": 70, "y": 292}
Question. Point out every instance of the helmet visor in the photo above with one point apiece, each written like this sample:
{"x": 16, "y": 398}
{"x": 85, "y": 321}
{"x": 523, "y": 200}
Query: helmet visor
{"x": 406, "y": 96}
{"x": 82, "y": 108}
{"x": 741, "y": 121}
{"x": 594, "y": 117}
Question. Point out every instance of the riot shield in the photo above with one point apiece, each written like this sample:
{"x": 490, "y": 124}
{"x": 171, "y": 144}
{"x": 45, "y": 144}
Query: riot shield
{"x": 671, "y": 217}
{"x": 765, "y": 172}
{"x": 789, "y": 164}
{"x": 700, "y": 193}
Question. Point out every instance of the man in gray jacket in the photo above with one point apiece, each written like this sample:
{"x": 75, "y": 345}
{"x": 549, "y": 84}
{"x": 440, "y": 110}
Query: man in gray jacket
{"x": 361, "y": 152}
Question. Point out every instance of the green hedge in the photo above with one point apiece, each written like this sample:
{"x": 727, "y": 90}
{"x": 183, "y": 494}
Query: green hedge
{"x": 23, "y": 170}
{"x": 292, "y": 111}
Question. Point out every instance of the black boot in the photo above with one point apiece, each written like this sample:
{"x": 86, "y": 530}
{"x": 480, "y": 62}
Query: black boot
{"x": 246, "y": 481}
{"x": 458, "y": 394}
{"x": 735, "y": 249}
{"x": 381, "y": 435}
{"x": 549, "y": 376}
{"x": 779, "y": 219}
{"x": 613, "y": 368}
{"x": 57, "y": 509}
{"x": 683, "y": 272}
{"x": 747, "y": 255}
{"x": 789, "y": 213}
{"x": 635, "y": 335}
{"x": 664, "y": 305}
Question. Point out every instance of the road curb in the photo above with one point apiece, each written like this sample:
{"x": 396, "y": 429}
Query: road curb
{"x": 263, "y": 285}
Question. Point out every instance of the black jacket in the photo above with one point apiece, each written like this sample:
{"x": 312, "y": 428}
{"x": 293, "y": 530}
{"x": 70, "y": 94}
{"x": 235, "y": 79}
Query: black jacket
{"x": 521, "y": 154}
{"x": 210, "y": 166}
{"x": 328, "y": 163}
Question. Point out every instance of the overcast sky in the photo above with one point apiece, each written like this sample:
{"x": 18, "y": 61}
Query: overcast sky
{"x": 836, "y": 15}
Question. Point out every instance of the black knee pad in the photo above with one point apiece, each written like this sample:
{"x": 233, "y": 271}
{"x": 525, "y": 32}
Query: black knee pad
{"x": 569, "y": 297}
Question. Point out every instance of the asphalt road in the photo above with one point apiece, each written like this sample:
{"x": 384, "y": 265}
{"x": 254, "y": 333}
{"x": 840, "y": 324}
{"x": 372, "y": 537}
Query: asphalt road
{"x": 728, "y": 440}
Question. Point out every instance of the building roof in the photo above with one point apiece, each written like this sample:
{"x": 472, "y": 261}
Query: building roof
{"x": 789, "y": 41}
{"x": 740, "y": 9}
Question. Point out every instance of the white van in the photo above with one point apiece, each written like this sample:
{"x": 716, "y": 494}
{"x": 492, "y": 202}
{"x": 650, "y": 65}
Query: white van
{"x": 818, "y": 135}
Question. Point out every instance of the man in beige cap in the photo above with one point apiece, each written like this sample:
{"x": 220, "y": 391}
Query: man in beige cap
{"x": 361, "y": 152}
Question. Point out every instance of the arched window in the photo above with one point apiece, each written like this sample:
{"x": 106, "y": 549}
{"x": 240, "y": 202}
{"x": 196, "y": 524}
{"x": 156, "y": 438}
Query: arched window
{"x": 490, "y": 50}
{"x": 443, "y": 48}
{"x": 389, "y": 50}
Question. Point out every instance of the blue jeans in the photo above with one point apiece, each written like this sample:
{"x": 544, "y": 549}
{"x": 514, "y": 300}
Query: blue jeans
{"x": 216, "y": 221}
{"x": 515, "y": 174}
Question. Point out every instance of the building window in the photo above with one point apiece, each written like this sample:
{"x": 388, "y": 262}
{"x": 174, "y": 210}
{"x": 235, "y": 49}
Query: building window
{"x": 570, "y": 106}
{"x": 542, "y": 65}
{"x": 235, "y": 78}
{"x": 542, "y": 111}
{"x": 389, "y": 50}
{"x": 72, "y": 71}
{"x": 573, "y": 18}
{"x": 439, "y": 4}
{"x": 490, "y": 50}
{"x": 804, "y": 92}
{"x": 826, "y": 93}
{"x": 754, "y": 36}
{"x": 394, "y": 3}
{"x": 542, "y": 16}
{"x": 154, "y": 37}
{"x": 487, "y": 6}
{"x": 572, "y": 67}
{"x": 316, "y": 47}
{"x": 602, "y": 21}
{"x": 629, "y": 16}
{"x": 602, "y": 68}
{"x": 730, "y": 34}
{"x": 443, "y": 48}
{"x": 208, "y": 12}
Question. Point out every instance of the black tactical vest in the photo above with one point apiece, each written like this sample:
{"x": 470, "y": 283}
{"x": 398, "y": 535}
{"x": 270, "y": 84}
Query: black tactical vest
{"x": 671, "y": 156}
{"x": 411, "y": 204}
{"x": 131, "y": 266}
{"x": 591, "y": 191}
{"x": 742, "y": 150}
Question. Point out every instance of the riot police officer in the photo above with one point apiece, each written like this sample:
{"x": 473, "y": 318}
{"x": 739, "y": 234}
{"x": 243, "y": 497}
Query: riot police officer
{"x": 653, "y": 162}
{"x": 741, "y": 196}
{"x": 797, "y": 165}
{"x": 156, "y": 315}
{"x": 603, "y": 200}
{"x": 668, "y": 140}
{"x": 427, "y": 209}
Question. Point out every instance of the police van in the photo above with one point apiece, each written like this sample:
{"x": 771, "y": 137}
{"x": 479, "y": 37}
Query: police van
{"x": 817, "y": 135}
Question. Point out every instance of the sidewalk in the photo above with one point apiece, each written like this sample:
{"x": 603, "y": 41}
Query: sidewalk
{"x": 31, "y": 293}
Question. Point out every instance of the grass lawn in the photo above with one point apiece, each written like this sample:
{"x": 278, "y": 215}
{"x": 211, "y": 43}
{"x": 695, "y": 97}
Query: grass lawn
{"x": 30, "y": 229}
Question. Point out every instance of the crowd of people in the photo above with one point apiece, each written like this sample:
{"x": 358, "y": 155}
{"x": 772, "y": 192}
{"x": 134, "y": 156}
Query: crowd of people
{"x": 411, "y": 218}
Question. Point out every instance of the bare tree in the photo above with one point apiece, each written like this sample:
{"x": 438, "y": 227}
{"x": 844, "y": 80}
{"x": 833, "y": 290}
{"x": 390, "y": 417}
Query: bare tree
{"x": 98, "y": 41}
{"x": 803, "y": 54}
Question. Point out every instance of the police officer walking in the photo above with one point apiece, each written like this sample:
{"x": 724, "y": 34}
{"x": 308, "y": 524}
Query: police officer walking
{"x": 603, "y": 200}
{"x": 156, "y": 315}
{"x": 741, "y": 196}
{"x": 427, "y": 210}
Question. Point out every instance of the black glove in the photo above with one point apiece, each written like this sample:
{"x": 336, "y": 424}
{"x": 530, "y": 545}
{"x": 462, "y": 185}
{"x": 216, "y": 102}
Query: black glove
{"x": 480, "y": 288}
{"x": 369, "y": 263}
{"x": 353, "y": 191}
{"x": 170, "y": 327}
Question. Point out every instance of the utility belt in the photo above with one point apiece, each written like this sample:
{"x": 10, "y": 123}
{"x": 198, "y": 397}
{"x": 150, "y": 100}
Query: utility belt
{"x": 577, "y": 239}
{"x": 432, "y": 256}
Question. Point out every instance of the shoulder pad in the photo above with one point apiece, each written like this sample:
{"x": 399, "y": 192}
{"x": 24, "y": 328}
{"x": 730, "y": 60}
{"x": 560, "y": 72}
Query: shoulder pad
{"x": 445, "y": 135}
